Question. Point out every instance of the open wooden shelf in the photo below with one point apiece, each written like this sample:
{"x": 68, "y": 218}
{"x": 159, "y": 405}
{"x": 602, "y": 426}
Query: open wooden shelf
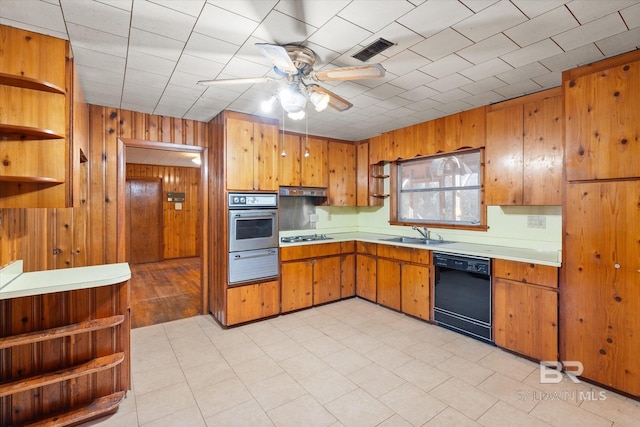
{"x": 33, "y": 179}
{"x": 14, "y": 132}
{"x": 380, "y": 176}
{"x": 30, "y": 83}
{"x": 379, "y": 196}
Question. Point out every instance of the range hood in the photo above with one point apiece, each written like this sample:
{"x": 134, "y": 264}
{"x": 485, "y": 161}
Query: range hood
{"x": 303, "y": 191}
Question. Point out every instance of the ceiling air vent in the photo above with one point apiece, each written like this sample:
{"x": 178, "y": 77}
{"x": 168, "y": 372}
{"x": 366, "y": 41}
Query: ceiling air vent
{"x": 373, "y": 49}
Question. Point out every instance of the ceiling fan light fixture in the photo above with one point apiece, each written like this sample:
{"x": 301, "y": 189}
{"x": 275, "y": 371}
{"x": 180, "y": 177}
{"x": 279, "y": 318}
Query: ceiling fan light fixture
{"x": 293, "y": 102}
{"x": 267, "y": 105}
{"x": 319, "y": 100}
{"x": 299, "y": 115}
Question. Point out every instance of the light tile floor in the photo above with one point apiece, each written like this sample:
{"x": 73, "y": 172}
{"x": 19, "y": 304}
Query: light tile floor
{"x": 350, "y": 363}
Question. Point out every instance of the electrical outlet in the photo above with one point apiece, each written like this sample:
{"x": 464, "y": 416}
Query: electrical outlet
{"x": 537, "y": 221}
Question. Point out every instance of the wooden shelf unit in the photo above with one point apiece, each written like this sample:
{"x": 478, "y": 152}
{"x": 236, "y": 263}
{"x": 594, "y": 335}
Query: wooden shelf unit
{"x": 30, "y": 83}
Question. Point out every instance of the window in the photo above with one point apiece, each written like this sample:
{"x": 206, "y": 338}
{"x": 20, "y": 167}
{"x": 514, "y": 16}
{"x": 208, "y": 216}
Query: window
{"x": 443, "y": 190}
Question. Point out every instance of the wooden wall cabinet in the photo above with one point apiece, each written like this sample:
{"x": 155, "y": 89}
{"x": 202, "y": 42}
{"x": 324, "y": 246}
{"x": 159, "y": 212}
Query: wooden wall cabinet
{"x": 523, "y": 154}
{"x": 252, "y": 154}
{"x": 362, "y": 173}
{"x": 525, "y": 308}
{"x": 252, "y": 302}
{"x": 366, "y": 271}
{"x": 602, "y": 119}
{"x": 342, "y": 174}
{"x": 298, "y": 170}
{"x": 35, "y": 114}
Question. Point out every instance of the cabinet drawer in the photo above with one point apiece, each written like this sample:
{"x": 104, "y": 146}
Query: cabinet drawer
{"x": 401, "y": 253}
{"x": 525, "y": 272}
{"x": 347, "y": 247}
{"x": 309, "y": 251}
{"x": 366, "y": 248}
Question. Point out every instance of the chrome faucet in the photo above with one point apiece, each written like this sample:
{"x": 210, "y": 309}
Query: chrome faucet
{"x": 424, "y": 232}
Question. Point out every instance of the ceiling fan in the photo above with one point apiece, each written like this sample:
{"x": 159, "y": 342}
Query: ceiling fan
{"x": 293, "y": 64}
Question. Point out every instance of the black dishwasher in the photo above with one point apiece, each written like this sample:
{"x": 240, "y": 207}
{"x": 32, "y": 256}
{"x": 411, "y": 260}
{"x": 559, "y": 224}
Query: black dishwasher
{"x": 462, "y": 294}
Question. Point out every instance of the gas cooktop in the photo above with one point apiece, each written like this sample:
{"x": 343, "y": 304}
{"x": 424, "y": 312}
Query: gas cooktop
{"x": 306, "y": 238}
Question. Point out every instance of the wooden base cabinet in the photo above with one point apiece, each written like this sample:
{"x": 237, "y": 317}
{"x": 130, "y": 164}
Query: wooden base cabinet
{"x": 388, "y": 277}
{"x": 252, "y": 302}
{"x": 600, "y": 290}
{"x": 366, "y": 271}
{"x": 415, "y": 285}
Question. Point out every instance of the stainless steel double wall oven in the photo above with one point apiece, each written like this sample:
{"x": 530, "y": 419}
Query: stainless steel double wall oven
{"x": 253, "y": 237}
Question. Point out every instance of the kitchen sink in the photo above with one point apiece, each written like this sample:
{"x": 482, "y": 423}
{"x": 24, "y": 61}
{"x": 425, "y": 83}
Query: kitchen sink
{"x": 415, "y": 240}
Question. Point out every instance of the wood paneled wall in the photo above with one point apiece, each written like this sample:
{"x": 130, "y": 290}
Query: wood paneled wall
{"x": 86, "y": 234}
{"x": 181, "y": 228}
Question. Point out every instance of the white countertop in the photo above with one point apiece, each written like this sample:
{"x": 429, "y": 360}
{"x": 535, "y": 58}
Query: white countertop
{"x": 14, "y": 283}
{"x": 543, "y": 257}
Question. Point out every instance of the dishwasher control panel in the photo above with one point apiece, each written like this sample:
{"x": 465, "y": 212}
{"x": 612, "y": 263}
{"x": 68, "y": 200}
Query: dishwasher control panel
{"x": 463, "y": 263}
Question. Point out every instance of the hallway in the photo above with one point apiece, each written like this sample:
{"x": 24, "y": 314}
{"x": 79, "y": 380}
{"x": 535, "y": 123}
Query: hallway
{"x": 164, "y": 291}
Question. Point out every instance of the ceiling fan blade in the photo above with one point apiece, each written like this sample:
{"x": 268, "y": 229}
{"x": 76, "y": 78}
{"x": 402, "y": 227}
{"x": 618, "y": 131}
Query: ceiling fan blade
{"x": 350, "y": 73}
{"x": 336, "y": 102}
{"x": 279, "y": 56}
{"x": 236, "y": 81}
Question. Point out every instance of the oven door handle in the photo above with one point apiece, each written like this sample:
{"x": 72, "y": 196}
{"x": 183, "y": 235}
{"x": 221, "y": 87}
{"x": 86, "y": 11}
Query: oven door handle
{"x": 254, "y": 215}
{"x": 268, "y": 252}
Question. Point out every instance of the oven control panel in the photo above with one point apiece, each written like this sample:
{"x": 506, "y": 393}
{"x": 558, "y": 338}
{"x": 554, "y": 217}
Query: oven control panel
{"x": 252, "y": 200}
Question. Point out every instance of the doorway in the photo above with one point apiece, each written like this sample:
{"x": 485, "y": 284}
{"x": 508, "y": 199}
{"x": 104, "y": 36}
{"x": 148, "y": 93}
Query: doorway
{"x": 167, "y": 289}
{"x": 144, "y": 215}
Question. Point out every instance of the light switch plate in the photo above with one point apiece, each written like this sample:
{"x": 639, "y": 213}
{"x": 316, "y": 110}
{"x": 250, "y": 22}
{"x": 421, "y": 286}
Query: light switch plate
{"x": 537, "y": 221}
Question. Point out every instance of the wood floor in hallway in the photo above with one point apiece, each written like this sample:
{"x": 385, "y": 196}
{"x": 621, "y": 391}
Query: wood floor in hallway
{"x": 164, "y": 291}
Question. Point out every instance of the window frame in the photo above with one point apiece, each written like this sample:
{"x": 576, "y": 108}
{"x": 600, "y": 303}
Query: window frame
{"x": 395, "y": 188}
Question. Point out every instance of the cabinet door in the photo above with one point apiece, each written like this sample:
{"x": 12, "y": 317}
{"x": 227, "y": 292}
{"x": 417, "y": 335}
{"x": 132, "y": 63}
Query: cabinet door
{"x": 290, "y": 163}
{"x": 602, "y": 126}
{"x": 366, "y": 277}
{"x": 314, "y": 169}
{"x": 525, "y": 319}
{"x": 464, "y": 129}
{"x": 542, "y": 180}
{"x": 342, "y": 174}
{"x": 239, "y": 147}
{"x": 297, "y": 285}
{"x": 251, "y": 302}
{"x": 266, "y": 157}
{"x": 388, "y": 283}
{"x": 348, "y": 275}
{"x": 362, "y": 174}
{"x": 326, "y": 280}
{"x": 600, "y": 293}
{"x": 415, "y": 285}
{"x": 504, "y": 156}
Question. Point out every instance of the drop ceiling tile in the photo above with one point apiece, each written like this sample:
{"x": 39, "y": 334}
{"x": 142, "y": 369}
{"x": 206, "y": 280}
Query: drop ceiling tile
{"x": 349, "y": 89}
{"x": 133, "y": 106}
{"x": 282, "y": 29}
{"x": 146, "y": 78}
{"x": 405, "y": 62}
{"x": 106, "y": 99}
{"x": 374, "y": 15}
{"x": 220, "y": 94}
{"x": 450, "y": 96}
{"x": 169, "y": 109}
{"x": 535, "y": 52}
{"x": 201, "y": 114}
{"x": 434, "y": 16}
{"x": 224, "y": 25}
{"x": 254, "y": 10}
{"x": 339, "y": 35}
{"x": 324, "y": 56}
{"x": 425, "y": 104}
{"x": 315, "y": 13}
{"x": 191, "y": 7}
{"x": 454, "y": 107}
{"x": 481, "y": 86}
{"x": 490, "y": 48}
{"x": 591, "y": 32}
{"x": 96, "y": 89}
{"x": 98, "y": 16}
{"x": 385, "y": 91}
{"x": 395, "y": 33}
{"x": 149, "y": 63}
{"x": 89, "y": 38}
{"x": 160, "y": 20}
{"x": 395, "y": 102}
{"x": 631, "y": 15}
{"x": 446, "y": 66}
{"x": 412, "y": 80}
{"x": 620, "y": 43}
{"x": 538, "y": 7}
{"x": 478, "y": 5}
{"x": 120, "y": 4}
{"x": 141, "y": 93}
{"x": 245, "y": 69}
{"x": 97, "y": 75}
{"x": 486, "y": 69}
{"x": 199, "y": 66}
{"x": 419, "y": 93}
{"x": 490, "y": 21}
{"x": 39, "y": 16}
{"x": 211, "y": 49}
{"x": 448, "y": 83}
{"x": 441, "y": 44}
{"x": 529, "y": 71}
{"x": 155, "y": 44}
{"x": 572, "y": 58}
{"x": 549, "y": 80}
{"x": 398, "y": 113}
{"x": 183, "y": 95}
{"x": 482, "y": 99}
{"x": 587, "y": 11}
{"x": 518, "y": 89}
{"x": 543, "y": 26}
{"x": 91, "y": 58}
